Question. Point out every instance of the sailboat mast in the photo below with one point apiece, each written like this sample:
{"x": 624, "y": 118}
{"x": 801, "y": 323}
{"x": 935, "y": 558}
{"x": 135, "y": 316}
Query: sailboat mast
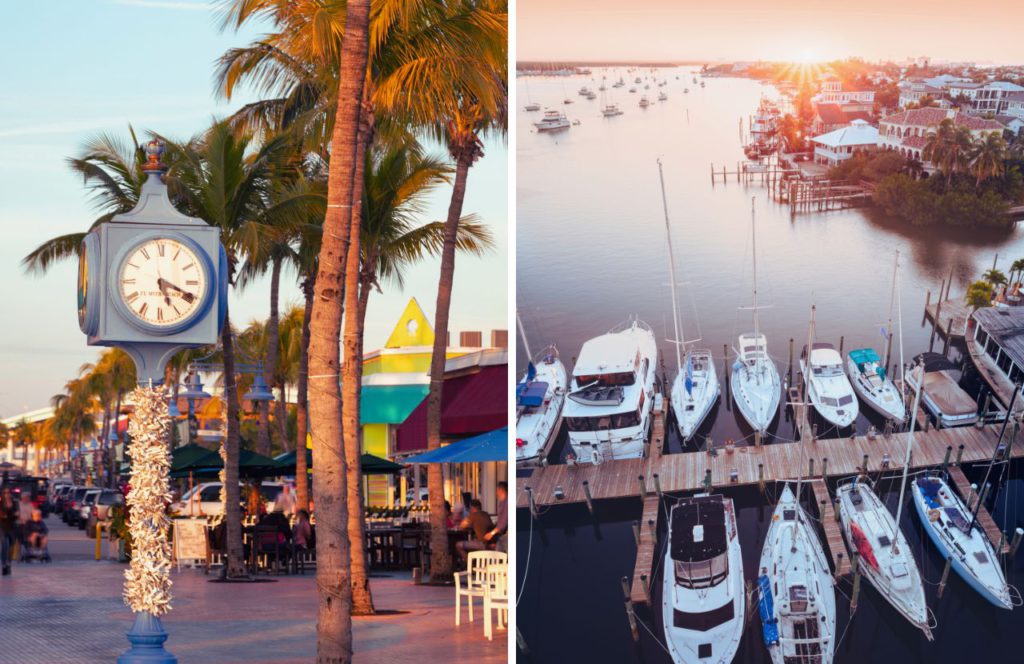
{"x": 892, "y": 303}
{"x": 805, "y": 403}
{"x": 753, "y": 244}
{"x": 672, "y": 271}
{"x": 906, "y": 463}
{"x": 522, "y": 334}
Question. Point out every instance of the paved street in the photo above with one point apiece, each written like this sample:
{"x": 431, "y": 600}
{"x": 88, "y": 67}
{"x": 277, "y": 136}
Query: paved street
{"x": 71, "y": 611}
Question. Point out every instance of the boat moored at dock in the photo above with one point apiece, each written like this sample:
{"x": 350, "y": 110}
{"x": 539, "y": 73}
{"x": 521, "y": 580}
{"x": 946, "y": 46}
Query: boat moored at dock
{"x": 539, "y": 399}
{"x": 873, "y": 385}
{"x": 796, "y": 597}
{"x": 941, "y": 393}
{"x": 827, "y": 386}
{"x": 703, "y": 603}
{"x": 608, "y": 412}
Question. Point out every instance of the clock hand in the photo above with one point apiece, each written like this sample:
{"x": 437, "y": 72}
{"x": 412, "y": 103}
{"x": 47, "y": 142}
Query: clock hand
{"x": 162, "y": 285}
{"x": 185, "y": 295}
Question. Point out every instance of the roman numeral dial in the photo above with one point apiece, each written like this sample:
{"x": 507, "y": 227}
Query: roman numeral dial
{"x": 163, "y": 282}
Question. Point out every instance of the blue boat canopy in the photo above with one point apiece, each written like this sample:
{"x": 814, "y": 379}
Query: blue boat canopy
{"x": 862, "y": 355}
{"x": 490, "y": 446}
{"x": 531, "y": 394}
{"x": 766, "y": 607}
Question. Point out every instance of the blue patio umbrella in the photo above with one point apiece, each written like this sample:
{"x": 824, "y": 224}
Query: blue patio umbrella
{"x": 490, "y": 446}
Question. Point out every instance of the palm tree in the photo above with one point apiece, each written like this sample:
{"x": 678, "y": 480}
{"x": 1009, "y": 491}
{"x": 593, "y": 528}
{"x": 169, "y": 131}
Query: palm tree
{"x": 113, "y": 175}
{"x": 949, "y": 147}
{"x": 979, "y": 294}
{"x": 224, "y": 179}
{"x": 24, "y": 436}
{"x": 989, "y": 157}
{"x": 994, "y": 277}
{"x": 1017, "y": 269}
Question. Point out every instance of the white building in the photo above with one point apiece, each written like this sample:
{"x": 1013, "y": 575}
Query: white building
{"x": 1014, "y": 104}
{"x": 907, "y": 131}
{"x": 911, "y": 92}
{"x": 836, "y": 146}
{"x": 985, "y": 97}
{"x": 834, "y": 92}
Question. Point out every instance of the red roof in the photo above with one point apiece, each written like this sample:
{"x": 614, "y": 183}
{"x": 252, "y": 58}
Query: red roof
{"x": 470, "y": 404}
{"x": 927, "y": 117}
{"x": 915, "y": 141}
{"x": 833, "y": 114}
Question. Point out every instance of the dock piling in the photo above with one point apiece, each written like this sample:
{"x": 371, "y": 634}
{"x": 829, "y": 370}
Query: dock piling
{"x": 630, "y": 614}
{"x": 810, "y": 469}
{"x": 589, "y": 498}
{"x": 945, "y": 459}
{"x": 657, "y": 486}
{"x": 1015, "y": 542}
{"x": 521, "y": 642}
{"x": 864, "y": 467}
{"x": 707, "y": 480}
{"x": 760, "y": 476}
{"x": 854, "y": 561}
{"x": 725, "y": 363}
{"x": 533, "y": 505}
{"x": 824, "y": 467}
{"x": 949, "y": 333}
{"x": 927, "y": 297}
{"x": 984, "y": 493}
{"x": 790, "y": 371}
{"x": 636, "y": 536}
{"x": 646, "y": 586}
{"x": 839, "y": 565}
{"x": 945, "y": 577}
{"x": 643, "y": 486}
{"x": 971, "y": 496}
{"x": 842, "y": 340}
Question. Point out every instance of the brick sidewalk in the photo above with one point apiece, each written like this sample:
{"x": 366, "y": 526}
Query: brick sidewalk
{"x": 71, "y": 612}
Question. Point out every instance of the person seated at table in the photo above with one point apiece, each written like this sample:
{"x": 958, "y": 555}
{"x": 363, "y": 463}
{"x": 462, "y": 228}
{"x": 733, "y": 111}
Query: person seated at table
{"x": 35, "y": 531}
{"x": 495, "y": 537}
{"x": 303, "y": 531}
{"x": 278, "y": 520}
{"x": 478, "y": 522}
{"x": 449, "y": 519}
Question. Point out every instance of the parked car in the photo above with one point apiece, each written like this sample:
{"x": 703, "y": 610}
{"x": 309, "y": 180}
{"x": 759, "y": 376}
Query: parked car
{"x": 57, "y": 492}
{"x": 85, "y": 507}
{"x": 69, "y": 509}
{"x": 99, "y": 512}
{"x": 204, "y": 499}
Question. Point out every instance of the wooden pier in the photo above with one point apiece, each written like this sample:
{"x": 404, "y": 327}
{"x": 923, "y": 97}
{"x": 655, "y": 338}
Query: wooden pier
{"x": 640, "y": 590}
{"x": 985, "y": 519}
{"x": 833, "y": 531}
{"x": 824, "y": 195}
{"x": 826, "y": 457}
{"x": 948, "y": 316}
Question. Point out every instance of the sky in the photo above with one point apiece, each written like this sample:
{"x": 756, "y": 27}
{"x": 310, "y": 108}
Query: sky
{"x": 71, "y": 70}
{"x": 778, "y": 30}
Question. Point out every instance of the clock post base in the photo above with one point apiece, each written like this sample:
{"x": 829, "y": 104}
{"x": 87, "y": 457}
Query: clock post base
{"x": 147, "y": 637}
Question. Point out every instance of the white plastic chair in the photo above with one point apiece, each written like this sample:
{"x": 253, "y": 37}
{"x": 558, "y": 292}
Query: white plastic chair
{"x": 496, "y": 598}
{"x": 471, "y": 583}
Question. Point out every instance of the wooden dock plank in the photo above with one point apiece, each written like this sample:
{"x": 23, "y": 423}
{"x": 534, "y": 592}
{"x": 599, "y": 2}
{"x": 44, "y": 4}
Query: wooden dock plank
{"x": 645, "y": 551}
{"x": 985, "y": 519}
{"x": 952, "y": 315}
{"x": 781, "y": 461}
{"x": 833, "y": 532}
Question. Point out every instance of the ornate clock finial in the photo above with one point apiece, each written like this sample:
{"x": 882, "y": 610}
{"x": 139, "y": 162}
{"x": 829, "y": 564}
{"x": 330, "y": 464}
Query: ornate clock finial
{"x": 154, "y": 150}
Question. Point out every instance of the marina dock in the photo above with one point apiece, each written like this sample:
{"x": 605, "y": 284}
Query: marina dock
{"x": 833, "y": 532}
{"x": 948, "y": 316}
{"x": 690, "y": 471}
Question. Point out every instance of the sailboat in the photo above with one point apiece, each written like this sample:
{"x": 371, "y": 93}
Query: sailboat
{"x": 953, "y": 528}
{"x": 531, "y": 106}
{"x": 796, "y": 597}
{"x": 886, "y": 558}
{"x": 867, "y": 371}
{"x": 695, "y": 388}
{"x": 539, "y": 399}
{"x": 702, "y": 602}
{"x": 756, "y": 387}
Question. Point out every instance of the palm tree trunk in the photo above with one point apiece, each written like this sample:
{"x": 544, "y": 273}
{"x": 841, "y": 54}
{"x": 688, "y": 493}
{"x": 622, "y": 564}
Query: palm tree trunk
{"x": 270, "y": 367}
{"x": 232, "y": 495}
{"x": 440, "y": 559}
{"x": 352, "y": 374}
{"x": 301, "y": 404}
{"x": 330, "y": 485}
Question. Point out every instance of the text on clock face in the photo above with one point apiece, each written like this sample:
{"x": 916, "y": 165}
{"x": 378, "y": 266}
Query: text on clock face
{"x": 162, "y": 281}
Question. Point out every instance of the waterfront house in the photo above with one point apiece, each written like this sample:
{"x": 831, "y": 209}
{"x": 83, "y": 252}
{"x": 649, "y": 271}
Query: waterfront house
{"x": 911, "y": 92}
{"x": 841, "y": 144}
{"x": 829, "y": 117}
{"x": 907, "y": 131}
{"x": 985, "y": 97}
{"x": 847, "y": 96}
{"x": 1014, "y": 104}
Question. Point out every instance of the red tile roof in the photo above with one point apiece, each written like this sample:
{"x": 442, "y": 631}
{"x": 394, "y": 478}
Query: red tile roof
{"x": 915, "y": 141}
{"x": 927, "y": 117}
{"x": 833, "y": 114}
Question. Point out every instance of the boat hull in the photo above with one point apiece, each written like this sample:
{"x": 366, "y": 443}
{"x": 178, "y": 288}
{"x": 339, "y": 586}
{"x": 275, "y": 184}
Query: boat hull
{"x": 757, "y": 403}
{"x": 890, "y": 410}
{"x": 535, "y": 427}
{"x": 1001, "y": 601}
{"x": 689, "y": 413}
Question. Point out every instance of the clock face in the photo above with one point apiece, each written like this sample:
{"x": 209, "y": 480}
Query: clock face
{"x": 163, "y": 282}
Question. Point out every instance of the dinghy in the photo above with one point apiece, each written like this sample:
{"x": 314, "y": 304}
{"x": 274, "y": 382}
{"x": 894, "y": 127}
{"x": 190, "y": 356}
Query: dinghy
{"x": 796, "y": 597}
{"x": 703, "y": 602}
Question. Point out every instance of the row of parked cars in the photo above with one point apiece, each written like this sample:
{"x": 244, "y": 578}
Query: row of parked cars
{"x": 83, "y": 506}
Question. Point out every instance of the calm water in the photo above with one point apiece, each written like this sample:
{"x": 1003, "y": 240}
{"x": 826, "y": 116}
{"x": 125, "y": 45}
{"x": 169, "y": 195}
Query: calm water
{"x": 591, "y": 252}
